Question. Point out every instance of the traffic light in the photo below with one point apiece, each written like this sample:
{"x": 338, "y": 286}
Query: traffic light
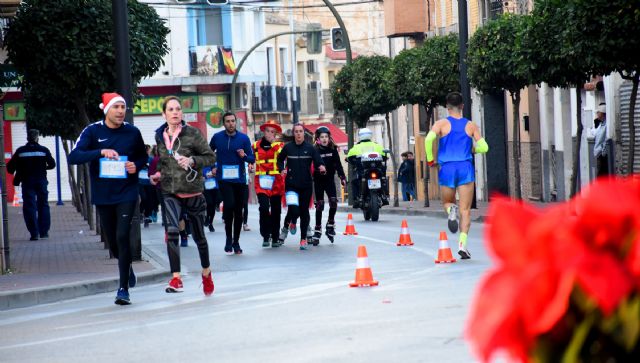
{"x": 314, "y": 42}
{"x": 338, "y": 41}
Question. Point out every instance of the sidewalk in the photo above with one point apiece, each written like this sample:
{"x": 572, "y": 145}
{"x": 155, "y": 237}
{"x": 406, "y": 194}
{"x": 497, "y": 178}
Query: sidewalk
{"x": 417, "y": 208}
{"x": 71, "y": 263}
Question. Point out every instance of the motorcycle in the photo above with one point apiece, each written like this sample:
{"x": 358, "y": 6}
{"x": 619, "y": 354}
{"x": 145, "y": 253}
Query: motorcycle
{"x": 373, "y": 185}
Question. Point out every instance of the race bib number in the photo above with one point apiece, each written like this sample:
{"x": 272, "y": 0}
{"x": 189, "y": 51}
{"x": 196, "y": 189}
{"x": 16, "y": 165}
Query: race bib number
{"x": 113, "y": 169}
{"x": 292, "y": 198}
{"x": 266, "y": 181}
{"x": 143, "y": 174}
{"x": 210, "y": 183}
{"x": 230, "y": 172}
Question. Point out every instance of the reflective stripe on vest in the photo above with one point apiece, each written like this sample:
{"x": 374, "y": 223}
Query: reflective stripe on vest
{"x": 274, "y": 171}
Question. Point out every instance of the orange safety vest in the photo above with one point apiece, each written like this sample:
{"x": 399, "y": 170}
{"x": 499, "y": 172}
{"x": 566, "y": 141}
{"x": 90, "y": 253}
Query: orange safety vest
{"x": 267, "y": 164}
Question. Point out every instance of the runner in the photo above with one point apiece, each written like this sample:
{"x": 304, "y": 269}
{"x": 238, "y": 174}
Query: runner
{"x": 299, "y": 155}
{"x": 455, "y": 149}
{"x": 115, "y": 151}
{"x": 183, "y": 153}
{"x": 268, "y": 183}
{"x": 326, "y": 184}
{"x": 233, "y": 149}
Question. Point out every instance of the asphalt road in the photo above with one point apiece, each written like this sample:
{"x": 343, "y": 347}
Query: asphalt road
{"x": 272, "y": 305}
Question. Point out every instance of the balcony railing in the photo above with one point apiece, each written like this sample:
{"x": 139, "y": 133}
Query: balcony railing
{"x": 274, "y": 99}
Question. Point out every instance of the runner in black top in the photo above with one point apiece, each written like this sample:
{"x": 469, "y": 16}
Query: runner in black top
{"x": 299, "y": 155}
{"x": 325, "y": 183}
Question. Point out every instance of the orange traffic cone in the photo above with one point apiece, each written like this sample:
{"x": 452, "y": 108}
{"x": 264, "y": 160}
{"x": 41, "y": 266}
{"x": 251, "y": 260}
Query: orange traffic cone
{"x": 405, "y": 237}
{"x": 16, "y": 200}
{"x": 350, "y": 229}
{"x": 364, "y": 277}
{"x": 444, "y": 252}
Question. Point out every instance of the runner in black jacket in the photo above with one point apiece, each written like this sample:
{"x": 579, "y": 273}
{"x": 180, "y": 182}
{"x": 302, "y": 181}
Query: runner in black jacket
{"x": 326, "y": 183}
{"x": 299, "y": 155}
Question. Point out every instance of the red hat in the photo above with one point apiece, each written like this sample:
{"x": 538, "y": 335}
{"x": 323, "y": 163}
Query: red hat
{"x": 109, "y": 99}
{"x": 271, "y": 123}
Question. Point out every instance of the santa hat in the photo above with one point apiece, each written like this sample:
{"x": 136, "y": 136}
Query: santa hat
{"x": 110, "y": 99}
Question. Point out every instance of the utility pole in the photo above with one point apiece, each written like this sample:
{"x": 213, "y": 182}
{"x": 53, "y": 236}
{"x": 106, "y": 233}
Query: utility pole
{"x": 124, "y": 87}
{"x": 294, "y": 69}
{"x": 348, "y": 122}
{"x": 465, "y": 88}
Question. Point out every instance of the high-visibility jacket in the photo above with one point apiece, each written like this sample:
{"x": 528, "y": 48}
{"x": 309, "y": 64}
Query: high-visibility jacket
{"x": 267, "y": 165}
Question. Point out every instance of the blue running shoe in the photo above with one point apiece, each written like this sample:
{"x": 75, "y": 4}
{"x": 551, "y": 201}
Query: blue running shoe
{"x": 122, "y": 297}
{"x": 133, "y": 280}
{"x": 292, "y": 228}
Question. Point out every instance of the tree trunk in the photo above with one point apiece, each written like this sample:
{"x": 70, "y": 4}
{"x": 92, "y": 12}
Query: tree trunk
{"x": 396, "y": 202}
{"x": 75, "y": 195}
{"x": 575, "y": 164}
{"x": 82, "y": 191}
{"x": 515, "y": 98}
{"x": 87, "y": 186}
{"x": 632, "y": 126}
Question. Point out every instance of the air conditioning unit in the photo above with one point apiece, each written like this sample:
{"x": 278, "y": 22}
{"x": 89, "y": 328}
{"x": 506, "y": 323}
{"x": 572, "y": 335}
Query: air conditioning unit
{"x": 312, "y": 66}
{"x": 243, "y": 96}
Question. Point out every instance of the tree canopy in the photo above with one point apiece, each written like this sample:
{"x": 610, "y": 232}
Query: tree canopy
{"x": 64, "y": 50}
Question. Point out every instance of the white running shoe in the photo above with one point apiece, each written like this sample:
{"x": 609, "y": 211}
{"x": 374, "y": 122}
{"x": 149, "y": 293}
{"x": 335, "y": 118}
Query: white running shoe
{"x": 453, "y": 219}
{"x": 463, "y": 251}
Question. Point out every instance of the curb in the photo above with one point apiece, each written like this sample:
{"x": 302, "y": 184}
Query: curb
{"x": 36, "y": 296}
{"x": 409, "y": 212}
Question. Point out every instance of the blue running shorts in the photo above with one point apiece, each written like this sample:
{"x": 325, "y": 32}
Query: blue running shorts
{"x": 455, "y": 173}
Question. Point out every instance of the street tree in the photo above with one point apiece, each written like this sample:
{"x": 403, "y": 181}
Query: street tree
{"x": 426, "y": 74}
{"x": 64, "y": 51}
{"x": 362, "y": 89}
{"x": 498, "y": 60}
{"x": 561, "y": 56}
{"x": 610, "y": 27}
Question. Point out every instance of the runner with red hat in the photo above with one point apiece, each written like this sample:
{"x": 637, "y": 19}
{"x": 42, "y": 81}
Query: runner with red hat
{"x": 269, "y": 184}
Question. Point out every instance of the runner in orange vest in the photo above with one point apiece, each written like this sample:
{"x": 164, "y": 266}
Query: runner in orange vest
{"x": 269, "y": 184}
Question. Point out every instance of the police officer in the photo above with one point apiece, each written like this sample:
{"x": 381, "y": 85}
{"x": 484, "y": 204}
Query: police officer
{"x": 363, "y": 146}
{"x": 30, "y": 164}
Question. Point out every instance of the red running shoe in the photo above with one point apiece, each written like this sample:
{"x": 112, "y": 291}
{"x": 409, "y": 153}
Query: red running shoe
{"x": 207, "y": 284}
{"x": 175, "y": 285}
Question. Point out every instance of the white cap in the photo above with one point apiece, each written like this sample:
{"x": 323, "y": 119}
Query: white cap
{"x": 602, "y": 108}
{"x": 365, "y": 134}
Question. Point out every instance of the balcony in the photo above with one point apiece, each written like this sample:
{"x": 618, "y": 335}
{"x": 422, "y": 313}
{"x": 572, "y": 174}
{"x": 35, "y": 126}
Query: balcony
{"x": 273, "y": 99}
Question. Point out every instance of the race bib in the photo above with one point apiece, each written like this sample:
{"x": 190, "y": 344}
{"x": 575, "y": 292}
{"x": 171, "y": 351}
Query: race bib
{"x": 230, "y": 172}
{"x": 266, "y": 181}
{"x": 143, "y": 174}
{"x": 113, "y": 169}
{"x": 292, "y": 198}
{"x": 210, "y": 183}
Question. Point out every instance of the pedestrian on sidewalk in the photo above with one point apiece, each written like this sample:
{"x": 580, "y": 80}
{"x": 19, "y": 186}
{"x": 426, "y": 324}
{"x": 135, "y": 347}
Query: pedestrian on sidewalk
{"x": 30, "y": 163}
{"x": 455, "y": 155}
{"x": 233, "y": 149}
{"x": 268, "y": 183}
{"x": 299, "y": 155}
{"x": 183, "y": 153}
{"x": 115, "y": 151}
{"x": 407, "y": 176}
{"x": 600, "y": 145}
{"x": 325, "y": 183}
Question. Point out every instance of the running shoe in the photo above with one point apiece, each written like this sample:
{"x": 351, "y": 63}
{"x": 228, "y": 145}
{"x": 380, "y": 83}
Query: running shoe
{"x": 207, "y": 284}
{"x": 266, "y": 242}
{"x": 175, "y": 285}
{"x": 211, "y": 229}
{"x": 228, "y": 247}
{"x": 303, "y": 244}
{"x": 283, "y": 234}
{"x": 236, "y": 248}
{"x": 133, "y": 280}
{"x": 277, "y": 243}
{"x": 122, "y": 297}
{"x": 463, "y": 252}
{"x": 44, "y": 236}
{"x": 154, "y": 216}
{"x": 245, "y": 227}
{"x": 293, "y": 228}
{"x": 453, "y": 218}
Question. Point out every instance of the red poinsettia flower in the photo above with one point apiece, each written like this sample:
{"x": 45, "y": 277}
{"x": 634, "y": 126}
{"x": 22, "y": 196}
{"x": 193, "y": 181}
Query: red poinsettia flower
{"x": 528, "y": 291}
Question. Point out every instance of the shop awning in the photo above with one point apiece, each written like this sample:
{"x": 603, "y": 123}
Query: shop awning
{"x": 338, "y": 135}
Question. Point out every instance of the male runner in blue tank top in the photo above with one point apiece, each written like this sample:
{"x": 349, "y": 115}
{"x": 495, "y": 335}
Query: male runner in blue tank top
{"x": 455, "y": 150}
